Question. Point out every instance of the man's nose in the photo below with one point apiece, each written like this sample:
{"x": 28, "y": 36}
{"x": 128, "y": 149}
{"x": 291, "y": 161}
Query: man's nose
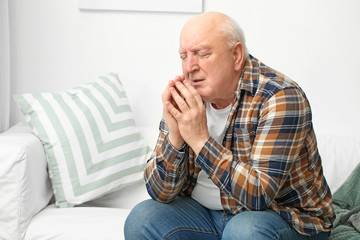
{"x": 192, "y": 64}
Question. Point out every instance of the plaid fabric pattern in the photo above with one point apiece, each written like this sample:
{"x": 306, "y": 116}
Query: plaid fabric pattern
{"x": 268, "y": 159}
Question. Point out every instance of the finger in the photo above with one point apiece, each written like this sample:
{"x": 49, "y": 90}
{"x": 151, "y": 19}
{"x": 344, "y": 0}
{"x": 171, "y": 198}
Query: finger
{"x": 166, "y": 96}
{"x": 171, "y": 83}
{"x": 179, "y": 78}
{"x": 179, "y": 101}
{"x": 187, "y": 94}
{"x": 172, "y": 110}
{"x": 194, "y": 92}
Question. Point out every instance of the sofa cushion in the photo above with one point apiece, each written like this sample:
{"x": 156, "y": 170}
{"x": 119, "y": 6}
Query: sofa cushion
{"x": 78, "y": 223}
{"x": 89, "y": 135}
{"x": 125, "y": 198}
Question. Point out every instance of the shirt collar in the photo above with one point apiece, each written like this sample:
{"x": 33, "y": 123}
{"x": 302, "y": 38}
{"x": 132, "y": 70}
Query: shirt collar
{"x": 249, "y": 78}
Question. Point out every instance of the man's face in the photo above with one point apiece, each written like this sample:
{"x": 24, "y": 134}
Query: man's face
{"x": 208, "y": 63}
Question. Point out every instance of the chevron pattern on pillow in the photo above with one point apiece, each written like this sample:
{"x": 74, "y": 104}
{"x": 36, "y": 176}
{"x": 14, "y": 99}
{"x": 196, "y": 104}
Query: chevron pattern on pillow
{"x": 90, "y": 139}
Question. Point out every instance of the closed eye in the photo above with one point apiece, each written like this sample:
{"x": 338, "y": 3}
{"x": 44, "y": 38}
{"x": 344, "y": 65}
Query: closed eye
{"x": 183, "y": 56}
{"x": 203, "y": 54}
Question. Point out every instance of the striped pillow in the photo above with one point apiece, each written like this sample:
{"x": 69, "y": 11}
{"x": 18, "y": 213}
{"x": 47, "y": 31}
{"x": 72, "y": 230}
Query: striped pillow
{"x": 90, "y": 139}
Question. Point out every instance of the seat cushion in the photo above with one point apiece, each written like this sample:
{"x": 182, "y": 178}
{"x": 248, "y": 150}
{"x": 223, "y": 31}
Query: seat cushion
{"x": 78, "y": 223}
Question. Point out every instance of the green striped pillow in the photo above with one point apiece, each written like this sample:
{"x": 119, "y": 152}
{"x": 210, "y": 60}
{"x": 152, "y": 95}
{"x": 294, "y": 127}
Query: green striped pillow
{"x": 90, "y": 139}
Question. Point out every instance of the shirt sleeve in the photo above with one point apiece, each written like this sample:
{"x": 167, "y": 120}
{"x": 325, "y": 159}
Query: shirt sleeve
{"x": 166, "y": 170}
{"x": 256, "y": 168}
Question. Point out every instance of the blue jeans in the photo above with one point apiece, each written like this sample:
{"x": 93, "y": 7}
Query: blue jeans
{"x": 184, "y": 218}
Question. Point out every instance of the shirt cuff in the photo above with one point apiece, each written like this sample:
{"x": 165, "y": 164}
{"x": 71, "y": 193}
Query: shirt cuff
{"x": 172, "y": 154}
{"x": 205, "y": 159}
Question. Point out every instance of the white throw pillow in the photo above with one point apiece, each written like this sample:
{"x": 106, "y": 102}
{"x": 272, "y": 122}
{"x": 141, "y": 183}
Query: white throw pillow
{"x": 90, "y": 139}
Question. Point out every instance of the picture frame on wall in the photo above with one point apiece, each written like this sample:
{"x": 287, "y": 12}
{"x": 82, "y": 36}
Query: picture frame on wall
{"x": 186, "y": 6}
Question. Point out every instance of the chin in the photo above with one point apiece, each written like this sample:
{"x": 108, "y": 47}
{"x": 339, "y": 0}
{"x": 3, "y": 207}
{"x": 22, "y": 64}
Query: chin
{"x": 204, "y": 98}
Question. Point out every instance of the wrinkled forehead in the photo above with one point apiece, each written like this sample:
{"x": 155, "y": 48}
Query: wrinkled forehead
{"x": 200, "y": 33}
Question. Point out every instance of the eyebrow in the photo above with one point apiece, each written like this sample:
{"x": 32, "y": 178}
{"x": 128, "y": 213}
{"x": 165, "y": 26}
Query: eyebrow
{"x": 196, "y": 49}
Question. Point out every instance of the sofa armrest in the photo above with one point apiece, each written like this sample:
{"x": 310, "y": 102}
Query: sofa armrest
{"x": 24, "y": 184}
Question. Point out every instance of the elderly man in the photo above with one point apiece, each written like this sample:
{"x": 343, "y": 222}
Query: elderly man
{"x": 236, "y": 156}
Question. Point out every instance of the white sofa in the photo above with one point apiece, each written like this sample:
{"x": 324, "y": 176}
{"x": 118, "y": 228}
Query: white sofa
{"x": 27, "y": 210}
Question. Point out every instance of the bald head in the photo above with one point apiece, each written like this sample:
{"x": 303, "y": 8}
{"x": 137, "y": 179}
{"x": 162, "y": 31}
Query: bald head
{"x": 208, "y": 19}
{"x": 216, "y": 23}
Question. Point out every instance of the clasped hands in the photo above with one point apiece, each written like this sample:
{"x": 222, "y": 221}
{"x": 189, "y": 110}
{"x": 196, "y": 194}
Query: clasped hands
{"x": 185, "y": 114}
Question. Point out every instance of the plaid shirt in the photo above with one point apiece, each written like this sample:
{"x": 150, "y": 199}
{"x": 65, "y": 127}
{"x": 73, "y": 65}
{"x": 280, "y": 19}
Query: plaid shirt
{"x": 268, "y": 158}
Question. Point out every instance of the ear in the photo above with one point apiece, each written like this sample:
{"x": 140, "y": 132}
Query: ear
{"x": 239, "y": 56}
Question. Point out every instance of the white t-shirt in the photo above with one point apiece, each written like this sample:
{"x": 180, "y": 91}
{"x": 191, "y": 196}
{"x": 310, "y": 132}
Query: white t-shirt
{"x": 205, "y": 191}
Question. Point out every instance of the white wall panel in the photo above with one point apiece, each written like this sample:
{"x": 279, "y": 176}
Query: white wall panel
{"x": 55, "y": 46}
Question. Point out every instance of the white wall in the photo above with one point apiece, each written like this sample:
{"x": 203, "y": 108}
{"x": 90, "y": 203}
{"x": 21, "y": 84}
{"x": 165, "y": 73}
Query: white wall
{"x": 54, "y": 46}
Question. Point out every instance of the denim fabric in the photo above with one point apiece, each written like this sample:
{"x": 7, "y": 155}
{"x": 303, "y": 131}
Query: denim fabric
{"x": 184, "y": 218}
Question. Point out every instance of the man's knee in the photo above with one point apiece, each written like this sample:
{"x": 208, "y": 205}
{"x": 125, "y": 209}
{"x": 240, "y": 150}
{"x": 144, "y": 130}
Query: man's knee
{"x": 254, "y": 225}
{"x": 241, "y": 225}
{"x": 139, "y": 219}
